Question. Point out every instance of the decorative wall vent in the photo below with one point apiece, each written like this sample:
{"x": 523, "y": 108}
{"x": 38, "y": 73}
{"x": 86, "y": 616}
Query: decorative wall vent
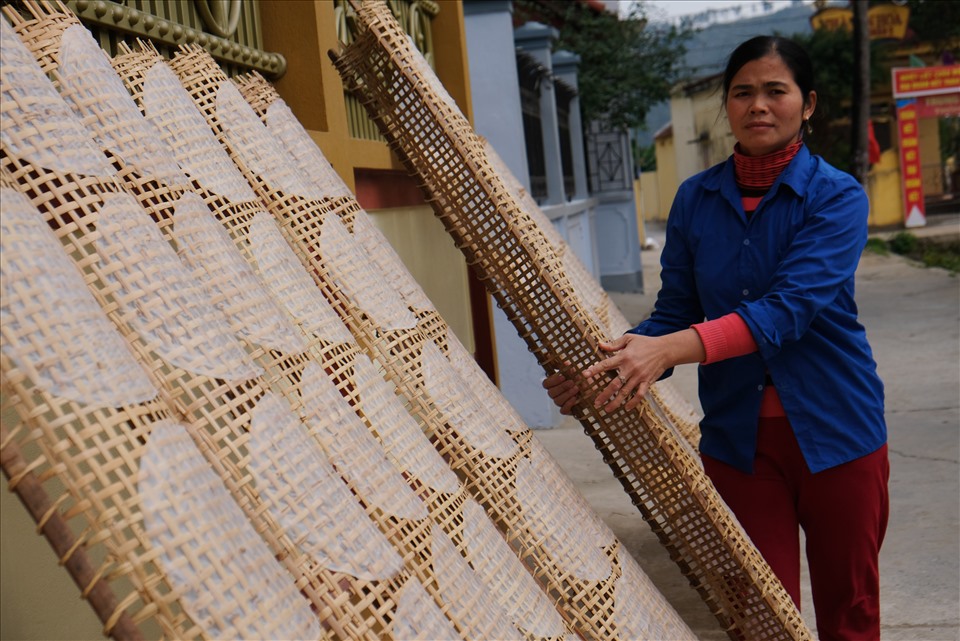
{"x": 228, "y": 29}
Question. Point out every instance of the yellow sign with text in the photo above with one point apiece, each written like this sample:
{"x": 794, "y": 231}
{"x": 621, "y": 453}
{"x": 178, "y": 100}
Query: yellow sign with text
{"x": 887, "y": 21}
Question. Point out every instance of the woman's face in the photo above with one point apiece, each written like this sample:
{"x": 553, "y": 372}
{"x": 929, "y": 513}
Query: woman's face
{"x": 765, "y": 106}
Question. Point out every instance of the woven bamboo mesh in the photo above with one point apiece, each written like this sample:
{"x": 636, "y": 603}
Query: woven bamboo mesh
{"x": 309, "y": 159}
{"x": 321, "y": 529}
{"x": 154, "y": 302}
{"x": 656, "y": 468}
{"x": 51, "y": 374}
{"x": 377, "y": 400}
{"x": 467, "y": 600}
{"x": 157, "y": 526}
{"x": 466, "y": 397}
{"x": 477, "y": 449}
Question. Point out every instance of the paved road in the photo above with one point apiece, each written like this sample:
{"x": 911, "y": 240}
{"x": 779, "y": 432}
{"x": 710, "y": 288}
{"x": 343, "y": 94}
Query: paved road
{"x": 912, "y": 316}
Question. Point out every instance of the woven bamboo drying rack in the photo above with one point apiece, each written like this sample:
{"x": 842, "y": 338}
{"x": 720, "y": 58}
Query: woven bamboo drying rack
{"x": 492, "y": 406}
{"x": 657, "y": 469}
{"x": 377, "y": 401}
{"x": 670, "y": 404}
{"x": 388, "y": 330}
{"x": 206, "y": 401}
{"x": 476, "y": 614}
{"x": 91, "y": 416}
{"x": 371, "y": 615}
{"x": 218, "y": 409}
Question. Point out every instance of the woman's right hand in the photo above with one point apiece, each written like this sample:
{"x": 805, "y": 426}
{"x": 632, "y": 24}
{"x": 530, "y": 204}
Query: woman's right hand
{"x": 562, "y": 391}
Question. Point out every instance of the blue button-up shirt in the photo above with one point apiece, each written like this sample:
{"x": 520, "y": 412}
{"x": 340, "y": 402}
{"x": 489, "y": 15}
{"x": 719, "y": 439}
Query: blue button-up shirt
{"x": 788, "y": 271}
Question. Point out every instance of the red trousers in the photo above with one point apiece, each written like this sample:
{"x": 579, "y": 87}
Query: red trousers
{"x": 843, "y": 512}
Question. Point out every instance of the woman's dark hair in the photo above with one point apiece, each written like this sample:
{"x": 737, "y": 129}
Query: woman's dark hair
{"x": 792, "y": 54}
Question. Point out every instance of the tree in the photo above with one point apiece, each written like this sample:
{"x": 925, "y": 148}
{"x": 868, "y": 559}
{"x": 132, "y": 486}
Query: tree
{"x": 832, "y": 56}
{"x": 860, "y": 112}
{"x": 645, "y": 156}
{"x": 626, "y": 66}
{"x": 935, "y": 22}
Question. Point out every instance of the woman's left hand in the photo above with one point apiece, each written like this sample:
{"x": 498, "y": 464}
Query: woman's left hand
{"x": 638, "y": 362}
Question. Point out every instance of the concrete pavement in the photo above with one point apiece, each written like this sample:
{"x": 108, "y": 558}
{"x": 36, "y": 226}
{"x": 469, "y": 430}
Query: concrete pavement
{"x": 912, "y": 316}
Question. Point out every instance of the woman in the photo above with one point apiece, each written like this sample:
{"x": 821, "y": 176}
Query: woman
{"x": 764, "y": 246}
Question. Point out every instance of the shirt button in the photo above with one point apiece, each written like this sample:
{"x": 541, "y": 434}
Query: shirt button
{"x": 746, "y": 292}
{"x": 759, "y": 388}
{"x": 746, "y": 241}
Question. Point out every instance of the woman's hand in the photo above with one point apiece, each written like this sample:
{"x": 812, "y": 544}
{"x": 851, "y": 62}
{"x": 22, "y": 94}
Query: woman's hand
{"x": 562, "y": 391}
{"x": 638, "y": 362}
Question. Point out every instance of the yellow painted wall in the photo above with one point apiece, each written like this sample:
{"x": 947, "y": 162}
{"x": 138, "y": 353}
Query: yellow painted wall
{"x": 38, "y": 600}
{"x": 304, "y": 32}
{"x": 450, "y": 43}
{"x": 427, "y": 249}
{"x": 684, "y": 131}
{"x": 884, "y": 191}
{"x": 648, "y": 195}
{"x": 711, "y": 119}
{"x": 700, "y": 139}
{"x": 667, "y": 183}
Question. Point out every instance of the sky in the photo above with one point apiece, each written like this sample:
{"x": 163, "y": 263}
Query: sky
{"x": 674, "y": 9}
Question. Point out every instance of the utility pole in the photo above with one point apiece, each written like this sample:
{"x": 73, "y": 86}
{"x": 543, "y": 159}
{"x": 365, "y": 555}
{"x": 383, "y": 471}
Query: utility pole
{"x": 860, "y": 112}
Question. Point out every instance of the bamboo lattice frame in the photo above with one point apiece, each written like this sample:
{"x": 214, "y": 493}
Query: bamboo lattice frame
{"x": 472, "y": 602}
{"x": 372, "y": 622}
{"x": 218, "y": 413}
{"x": 309, "y": 159}
{"x": 202, "y": 396}
{"x": 656, "y": 468}
{"x": 376, "y": 400}
{"x": 90, "y": 414}
{"x": 384, "y": 325}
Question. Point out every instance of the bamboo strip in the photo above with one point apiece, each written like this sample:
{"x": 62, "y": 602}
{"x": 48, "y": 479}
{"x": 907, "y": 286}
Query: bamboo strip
{"x": 667, "y": 400}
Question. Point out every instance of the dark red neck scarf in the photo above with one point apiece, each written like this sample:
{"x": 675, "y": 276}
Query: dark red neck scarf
{"x": 760, "y": 172}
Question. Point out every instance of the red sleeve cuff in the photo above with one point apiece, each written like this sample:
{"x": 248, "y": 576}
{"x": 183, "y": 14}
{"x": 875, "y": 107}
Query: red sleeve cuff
{"x": 725, "y": 337}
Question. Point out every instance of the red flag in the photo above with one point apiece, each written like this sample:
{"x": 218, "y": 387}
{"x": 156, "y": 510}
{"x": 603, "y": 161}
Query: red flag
{"x": 873, "y": 147}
